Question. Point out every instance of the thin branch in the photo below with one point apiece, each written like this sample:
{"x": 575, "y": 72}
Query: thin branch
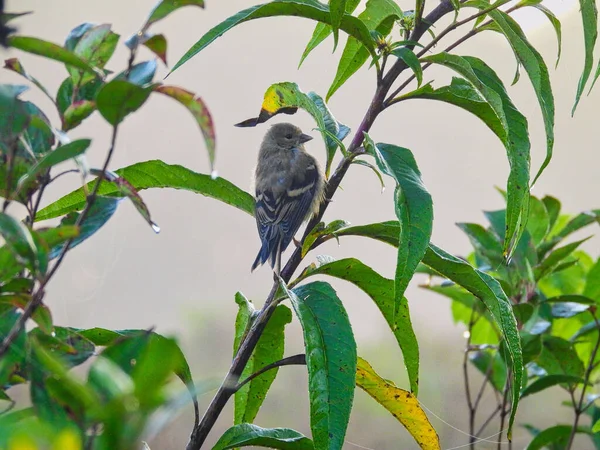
{"x": 489, "y": 419}
{"x": 503, "y": 411}
{"x": 296, "y": 360}
{"x": 579, "y": 407}
{"x": 465, "y": 366}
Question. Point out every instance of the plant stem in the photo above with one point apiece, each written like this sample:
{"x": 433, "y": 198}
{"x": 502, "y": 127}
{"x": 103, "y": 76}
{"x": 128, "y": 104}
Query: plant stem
{"x": 503, "y": 412}
{"x": 227, "y": 388}
{"x": 296, "y": 360}
{"x": 588, "y": 371}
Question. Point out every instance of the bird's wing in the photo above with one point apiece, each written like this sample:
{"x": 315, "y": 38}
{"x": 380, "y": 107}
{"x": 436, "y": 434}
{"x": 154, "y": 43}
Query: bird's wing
{"x": 282, "y": 215}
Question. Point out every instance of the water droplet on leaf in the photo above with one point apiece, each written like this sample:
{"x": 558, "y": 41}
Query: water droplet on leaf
{"x": 214, "y": 174}
{"x": 155, "y": 227}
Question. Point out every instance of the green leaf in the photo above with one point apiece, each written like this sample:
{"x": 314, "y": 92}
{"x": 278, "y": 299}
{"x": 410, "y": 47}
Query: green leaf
{"x": 566, "y": 306}
{"x": 199, "y": 111}
{"x": 125, "y": 189}
{"x": 549, "y": 381}
{"x": 118, "y": 98}
{"x": 559, "y": 357}
{"x": 54, "y": 237}
{"x": 61, "y": 154}
{"x": 268, "y": 350}
{"x": 379, "y": 15}
{"x": 555, "y": 258}
{"x": 538, "y": 223}
{"x": 157, "y": 44}
{"x": 100, "y": 212}
{"x": 66, "y": 96}
{"x": 463, "y": 67}
{"x": 553, "y": 209}
{"x": 506, "y": 122}
{"x": 15, "y": 356}
{"x": 403, "y": 405}
{"x": 39, "y": 135}
{"x": 247, "y": 434}
{"x": 76, "y": 34}
{"x": 62, "y": 386}
{"x": 140, "y": 74}
{"x": 589, "y": 18}
{"x": 166, "y": 7}
{"x": 578, "y": 222}
{"x": 14, "y": 113}
{"x": 156, "y": 174}
{"x": 41, "y": 315}
{"x": 558, "y": 434}
{"x": 413, "y": 207}
{"x": 490, "y": 292}
{"x": 320, "y": 231}
{"x": 180, "y": 367}
{"x": 15, "y": 65}
{"x": 309, "y": 9}
{"x": 592, "y": 284}
{"x": 322, "y": 31}
{"x": 18, "y": 239}
{"x": 491, "y": 366}
{"x": 71, "y": 347}
{"x": 337, "y": 9}
{"x": 330, "y": 359}
{"x": 76, "y": 113}
{"x": 95, "y": 46}
{"x": 484, "y": 242}
{"x": 287, "y": 98}
{"x": 596, "y": 427}
{"x": 536, "y": 68}
{"x": 388, "y": 232}
{"x": 52, "y": 51}
{"x": 557, "y": 28}
{"x": 381, "y": 291}
{"x": 411, "y": 60}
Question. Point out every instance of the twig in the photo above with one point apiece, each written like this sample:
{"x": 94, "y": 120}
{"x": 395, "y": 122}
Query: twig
{"x": 489, "y": 419}
{"x": 503, "y": 411}
{"x": 465, "y": 366}
{"x": 296, "y": 360}
{"x": 579, "y": 407}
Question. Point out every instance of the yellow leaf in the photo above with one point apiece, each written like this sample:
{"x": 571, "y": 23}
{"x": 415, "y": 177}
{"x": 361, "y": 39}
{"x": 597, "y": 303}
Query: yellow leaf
{"x": 67, "y": 440}
{"x": 403, "y": 405}
{"x": 22, "y": 442}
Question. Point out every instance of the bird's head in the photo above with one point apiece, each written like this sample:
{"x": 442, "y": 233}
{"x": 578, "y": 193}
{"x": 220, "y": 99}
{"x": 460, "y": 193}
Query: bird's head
{"x": 287, "y": 136}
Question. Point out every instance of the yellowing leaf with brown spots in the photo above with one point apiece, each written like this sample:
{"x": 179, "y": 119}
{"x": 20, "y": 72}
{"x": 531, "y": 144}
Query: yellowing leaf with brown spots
{"x": 403, "y": 405}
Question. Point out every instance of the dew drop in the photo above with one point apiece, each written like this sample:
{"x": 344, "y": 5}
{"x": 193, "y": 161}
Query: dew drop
{"x": 214, "y": 174}
{"x": 53, "y": 334}
{"x": 382, "y": 189}
{"x": 155, "y": 227}
{"x": 466, "y": 334}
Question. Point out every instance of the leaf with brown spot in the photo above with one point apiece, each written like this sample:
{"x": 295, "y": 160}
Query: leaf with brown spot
{"x": 400, "y": 403}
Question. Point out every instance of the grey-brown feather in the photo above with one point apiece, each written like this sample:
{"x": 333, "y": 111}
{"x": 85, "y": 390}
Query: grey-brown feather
{"x": 289, "y": 188}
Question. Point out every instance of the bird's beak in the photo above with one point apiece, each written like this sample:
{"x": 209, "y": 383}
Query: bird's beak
{"x": 305, "y": 138}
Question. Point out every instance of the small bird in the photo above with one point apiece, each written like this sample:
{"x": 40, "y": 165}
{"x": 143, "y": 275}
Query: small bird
{"x": 289, "y": 188}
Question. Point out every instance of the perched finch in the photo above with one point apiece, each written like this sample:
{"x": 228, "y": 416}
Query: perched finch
{"x": 289, "y": 188}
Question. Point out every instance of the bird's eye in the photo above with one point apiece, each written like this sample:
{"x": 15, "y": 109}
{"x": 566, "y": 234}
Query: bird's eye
{"x": 288, "y": 136}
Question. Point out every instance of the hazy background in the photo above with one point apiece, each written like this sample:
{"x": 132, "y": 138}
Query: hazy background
{"x": 183, "y": 280}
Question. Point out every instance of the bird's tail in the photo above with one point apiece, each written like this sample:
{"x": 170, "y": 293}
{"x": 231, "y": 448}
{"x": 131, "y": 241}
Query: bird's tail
{"x": 271, "y": 250}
